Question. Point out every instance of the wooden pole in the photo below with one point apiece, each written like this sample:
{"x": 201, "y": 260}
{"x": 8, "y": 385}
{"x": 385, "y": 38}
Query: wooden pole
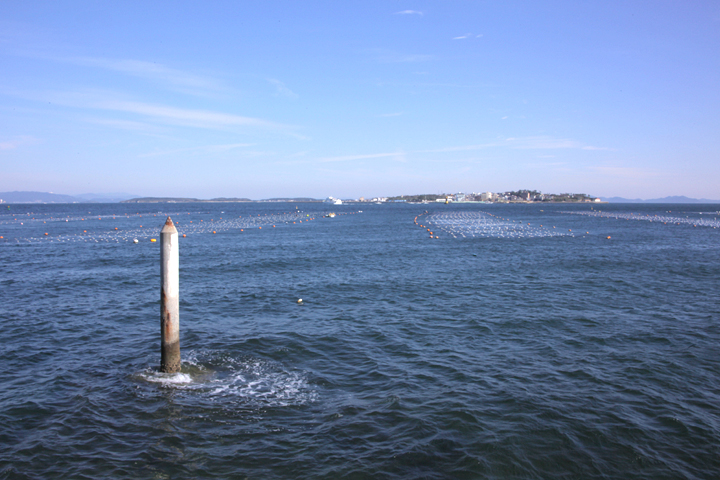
{"x": 169, "y": 299}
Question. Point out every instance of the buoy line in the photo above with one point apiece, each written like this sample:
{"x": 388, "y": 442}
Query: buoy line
{"x": 481, "y": 225}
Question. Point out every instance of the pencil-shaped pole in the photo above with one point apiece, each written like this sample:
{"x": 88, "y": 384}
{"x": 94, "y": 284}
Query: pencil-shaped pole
{"x": 169, "y": 299}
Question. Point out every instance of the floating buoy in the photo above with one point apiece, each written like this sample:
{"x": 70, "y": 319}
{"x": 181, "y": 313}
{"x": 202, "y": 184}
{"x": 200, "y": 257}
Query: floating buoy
{"x": 214, "y": 231}
{"x": 135, "y": 240}
{"x": 153, "y": 240}
{"x": 46, "y": 233}
{"x": 299, "y": 301}
{"x": 115, "y": 228}
{"x": 184, "y": 235}
{"x": 608, "y": 237}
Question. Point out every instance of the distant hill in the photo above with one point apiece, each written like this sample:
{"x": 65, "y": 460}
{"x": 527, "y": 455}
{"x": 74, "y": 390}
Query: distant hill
{"x": 673, "y": 199}
{"x": 48, "y": 197}
{"x": 36, "y": 197}
{"x": 114, "y": 197}
{"x": 183, "y": 200}
{"x": 160, "y": 200}
{"x": 297, "y": 199}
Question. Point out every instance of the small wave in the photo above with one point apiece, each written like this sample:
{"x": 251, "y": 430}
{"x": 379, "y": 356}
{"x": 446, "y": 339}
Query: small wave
{"x": 215, "y": 376}
{"x": 166, "y": 378}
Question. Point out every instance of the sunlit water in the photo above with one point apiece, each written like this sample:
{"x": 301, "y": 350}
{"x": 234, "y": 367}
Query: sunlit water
{"x": 522, "y": 342}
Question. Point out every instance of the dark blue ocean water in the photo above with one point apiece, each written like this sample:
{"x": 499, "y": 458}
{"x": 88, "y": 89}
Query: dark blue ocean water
{"x": 501, "y": 349}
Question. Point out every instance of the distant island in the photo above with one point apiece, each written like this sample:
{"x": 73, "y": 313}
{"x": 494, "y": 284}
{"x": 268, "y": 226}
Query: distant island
{"x": 214, "y": 200}
{"x": 512, "y": 196}
{"x": 182, "y": 200}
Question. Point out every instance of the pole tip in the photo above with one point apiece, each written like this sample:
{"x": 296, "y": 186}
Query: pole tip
{"x": 169, "y": 227}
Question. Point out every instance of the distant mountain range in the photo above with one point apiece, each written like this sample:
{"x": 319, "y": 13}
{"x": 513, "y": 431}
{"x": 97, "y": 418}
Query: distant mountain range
{"x": 674, "y": 199}
{"x": 49, "y": 197}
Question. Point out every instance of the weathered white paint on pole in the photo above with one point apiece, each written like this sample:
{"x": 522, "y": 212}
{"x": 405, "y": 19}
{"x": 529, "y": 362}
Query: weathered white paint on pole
{"x": 169, "y": 299}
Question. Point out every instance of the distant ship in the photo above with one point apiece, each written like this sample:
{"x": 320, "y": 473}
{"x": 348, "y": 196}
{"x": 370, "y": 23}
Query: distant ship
{"x": 334, "y": 201}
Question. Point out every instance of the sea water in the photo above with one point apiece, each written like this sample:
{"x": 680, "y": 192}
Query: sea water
{"x": 515, "y": 341}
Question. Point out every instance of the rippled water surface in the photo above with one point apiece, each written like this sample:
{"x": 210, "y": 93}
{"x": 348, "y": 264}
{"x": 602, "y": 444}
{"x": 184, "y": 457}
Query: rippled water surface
{"x": 515, "y": 341}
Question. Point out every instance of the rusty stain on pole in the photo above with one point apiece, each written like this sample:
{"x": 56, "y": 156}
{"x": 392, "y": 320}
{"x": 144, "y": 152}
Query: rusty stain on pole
{"x": 169, "y": 299}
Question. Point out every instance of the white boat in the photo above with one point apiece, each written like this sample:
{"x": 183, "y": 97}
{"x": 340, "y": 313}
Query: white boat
{"x": 332, "y": 200}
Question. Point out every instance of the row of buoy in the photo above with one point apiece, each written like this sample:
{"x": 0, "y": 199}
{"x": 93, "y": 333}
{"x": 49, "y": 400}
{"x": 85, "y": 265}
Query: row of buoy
{"x": 117, "y": 235}
{"x": 482, "y": 224}
{"x": 664, "y": 219}
{"x": 415, "y": 220}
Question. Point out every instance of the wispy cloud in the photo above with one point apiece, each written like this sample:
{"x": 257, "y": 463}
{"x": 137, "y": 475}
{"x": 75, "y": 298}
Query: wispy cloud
{"x": 348, "y": 158}
{"x": 17, "y": 142}
{"x": 400, "y": 58}
{"x": 468, "y": 35}
{"x": 127, "y": 125}
{"x": 539, "y": 142}
{"x": 178, "y": 80}
{"x": 281, "y": 89}
{"x": 110, "y": 101}
{"x": 596, "y": 148}
{"x": 427, "y": 84}
{"x": 184, "y": 116}
{"x": 200, "y": 149}
{"x": 409, "y": 12}
{"x": 463, "y": 148}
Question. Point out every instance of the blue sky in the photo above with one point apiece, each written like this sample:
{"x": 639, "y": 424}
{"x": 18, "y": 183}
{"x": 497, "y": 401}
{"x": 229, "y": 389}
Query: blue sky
{"x": 366, "y": 98}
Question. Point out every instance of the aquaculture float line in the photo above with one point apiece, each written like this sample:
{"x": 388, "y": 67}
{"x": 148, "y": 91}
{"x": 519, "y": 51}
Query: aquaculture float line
{"x": 664, "y": 219}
